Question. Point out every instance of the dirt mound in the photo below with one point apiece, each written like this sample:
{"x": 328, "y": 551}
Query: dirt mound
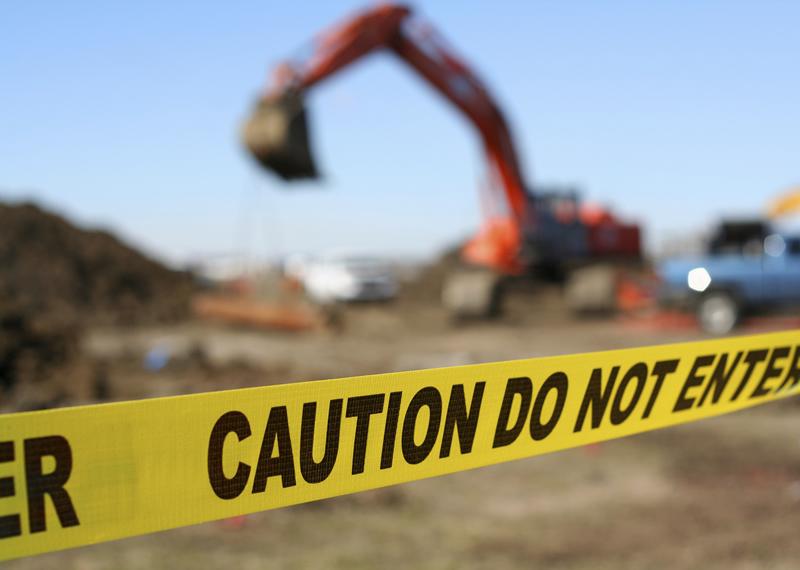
{"x": 49, "y": 265}
{"x": 55, "y": 279}
{"x": 41, "y": 363}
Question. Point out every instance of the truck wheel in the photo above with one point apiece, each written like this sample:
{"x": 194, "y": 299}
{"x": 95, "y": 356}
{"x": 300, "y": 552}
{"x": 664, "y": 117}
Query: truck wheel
{"x": 718, "y": 312}
{"x": 472, "y": 294}
{"x": 592, "y": 290}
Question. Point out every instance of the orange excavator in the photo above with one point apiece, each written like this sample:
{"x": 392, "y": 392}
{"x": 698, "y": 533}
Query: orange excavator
{"x": 523, "y": 233}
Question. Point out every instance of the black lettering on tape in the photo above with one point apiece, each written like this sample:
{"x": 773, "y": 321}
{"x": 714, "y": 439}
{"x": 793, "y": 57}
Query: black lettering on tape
{"x": 390, "y": 429}
{"x": 792, "y": 377}
{"x": 720, "y": 377}
{"x": 556, "y": 381}
{"x": 427, "y": 397}
{"x": 458, "y": 418}
{"x": 40, "y": 484}
{"x": 693, "y": 379}
{"x": 771, "y": 371}
{"x": 636, "y": 372}
{"x": 503, "y": 434}
{"x": 312, "y": 471}
{"x": 282, "y": 465}
{"x": 224, "y": 487}
{"x": 9, "y": 524}
{"x": 661, "y": 370}
{"x": 362, "y": 408}
{"x": 596, "y": 397}
{"x": 753, "y": 358}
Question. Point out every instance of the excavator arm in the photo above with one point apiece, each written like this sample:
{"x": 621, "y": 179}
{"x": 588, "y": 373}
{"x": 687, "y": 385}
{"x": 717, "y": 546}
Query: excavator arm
{"x": 277, "y": 132}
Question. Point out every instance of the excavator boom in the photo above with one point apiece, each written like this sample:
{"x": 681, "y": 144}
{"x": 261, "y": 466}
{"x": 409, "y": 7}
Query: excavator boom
{"x": 277, "y": 132}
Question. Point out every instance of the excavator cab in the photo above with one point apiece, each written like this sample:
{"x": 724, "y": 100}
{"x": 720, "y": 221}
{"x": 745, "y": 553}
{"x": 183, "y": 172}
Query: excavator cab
{"x": 276, "y": 134}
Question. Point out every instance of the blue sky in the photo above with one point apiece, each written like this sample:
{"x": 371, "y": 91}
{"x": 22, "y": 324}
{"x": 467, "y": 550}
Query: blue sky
{"x": 126, "y": 116}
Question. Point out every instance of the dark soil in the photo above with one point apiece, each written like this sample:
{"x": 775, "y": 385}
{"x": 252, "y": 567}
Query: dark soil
{"x": 55, "y": 279}
{"x": 48, "y": 265}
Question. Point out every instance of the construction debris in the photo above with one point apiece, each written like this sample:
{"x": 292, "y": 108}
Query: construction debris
{"x": 258, "y": 314}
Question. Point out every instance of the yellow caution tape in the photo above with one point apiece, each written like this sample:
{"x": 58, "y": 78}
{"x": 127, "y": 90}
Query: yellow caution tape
{"x": 85, "y": 475}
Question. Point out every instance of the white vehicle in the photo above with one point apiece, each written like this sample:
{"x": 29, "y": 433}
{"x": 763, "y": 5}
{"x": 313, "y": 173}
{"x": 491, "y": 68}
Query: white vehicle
{"x": 348, "y": 278}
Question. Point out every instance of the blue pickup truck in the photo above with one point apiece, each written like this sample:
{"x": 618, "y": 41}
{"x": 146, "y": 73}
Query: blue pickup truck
{"x": 724, "y": 284}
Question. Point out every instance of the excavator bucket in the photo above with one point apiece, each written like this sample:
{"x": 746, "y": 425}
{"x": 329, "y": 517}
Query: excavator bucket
{"x": 277, "y": 136}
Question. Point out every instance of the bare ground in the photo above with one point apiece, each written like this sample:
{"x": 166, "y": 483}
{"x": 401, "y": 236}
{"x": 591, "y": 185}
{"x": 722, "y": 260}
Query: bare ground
{"x": 722, "y": 493}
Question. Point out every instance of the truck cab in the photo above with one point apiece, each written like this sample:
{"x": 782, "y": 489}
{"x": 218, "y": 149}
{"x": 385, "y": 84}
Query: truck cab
{"x": 759, "y": 275}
